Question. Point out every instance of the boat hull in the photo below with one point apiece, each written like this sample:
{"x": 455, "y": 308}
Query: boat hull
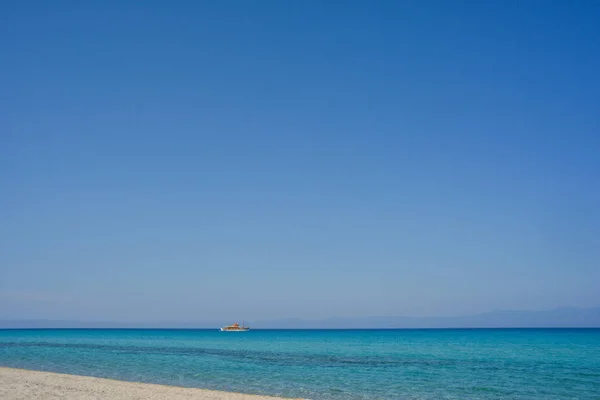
{"x": 235, "y": 330}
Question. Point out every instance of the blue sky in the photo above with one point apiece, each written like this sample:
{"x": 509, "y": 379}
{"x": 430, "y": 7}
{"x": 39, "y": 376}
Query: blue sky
{"x": 265, "y": 159}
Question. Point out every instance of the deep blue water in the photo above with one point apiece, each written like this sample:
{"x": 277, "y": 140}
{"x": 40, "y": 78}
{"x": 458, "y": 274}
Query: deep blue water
{"x": 328, "y": 364}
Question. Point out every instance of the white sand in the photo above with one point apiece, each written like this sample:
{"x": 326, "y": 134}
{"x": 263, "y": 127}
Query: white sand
{"x": 18, "y": 384}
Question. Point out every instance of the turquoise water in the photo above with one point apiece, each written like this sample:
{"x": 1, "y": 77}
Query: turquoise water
{"x": 353, "y": 364}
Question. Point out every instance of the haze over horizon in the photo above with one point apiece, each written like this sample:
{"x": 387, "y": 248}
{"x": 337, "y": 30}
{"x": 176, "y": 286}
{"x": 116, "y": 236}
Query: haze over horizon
{"x": 218, "y": 160}
{"x": 556, "y": 318}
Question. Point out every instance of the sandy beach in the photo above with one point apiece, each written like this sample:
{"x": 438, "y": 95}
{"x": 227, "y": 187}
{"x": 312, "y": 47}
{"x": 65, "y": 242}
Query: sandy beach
{"x": 18, "y": 384}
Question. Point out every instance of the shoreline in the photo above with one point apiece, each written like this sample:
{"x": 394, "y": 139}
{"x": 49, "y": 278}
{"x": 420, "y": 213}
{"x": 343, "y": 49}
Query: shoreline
{"x": 23, "y": 384}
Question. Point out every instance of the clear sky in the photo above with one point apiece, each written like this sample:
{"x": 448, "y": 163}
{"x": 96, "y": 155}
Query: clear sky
{"x": 264, "y": 159}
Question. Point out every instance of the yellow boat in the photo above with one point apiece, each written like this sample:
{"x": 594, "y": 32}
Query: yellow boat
{"x": 235, "y": 328}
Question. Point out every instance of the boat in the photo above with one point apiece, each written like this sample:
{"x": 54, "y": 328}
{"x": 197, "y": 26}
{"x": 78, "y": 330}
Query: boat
{"x": 235, "y": 328}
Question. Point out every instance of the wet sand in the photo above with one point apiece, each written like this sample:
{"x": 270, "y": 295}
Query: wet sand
{"x": 18, "y": 384}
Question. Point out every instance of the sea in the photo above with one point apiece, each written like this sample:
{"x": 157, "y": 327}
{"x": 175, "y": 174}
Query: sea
{"x": 327, "y": 364}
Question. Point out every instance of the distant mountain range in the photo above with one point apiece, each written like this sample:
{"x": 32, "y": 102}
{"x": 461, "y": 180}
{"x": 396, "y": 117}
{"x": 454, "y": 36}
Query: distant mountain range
{"x": 557, "y": 318}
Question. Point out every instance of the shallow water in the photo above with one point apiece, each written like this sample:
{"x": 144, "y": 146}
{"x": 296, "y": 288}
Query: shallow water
{"x": 328, "y": 364}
